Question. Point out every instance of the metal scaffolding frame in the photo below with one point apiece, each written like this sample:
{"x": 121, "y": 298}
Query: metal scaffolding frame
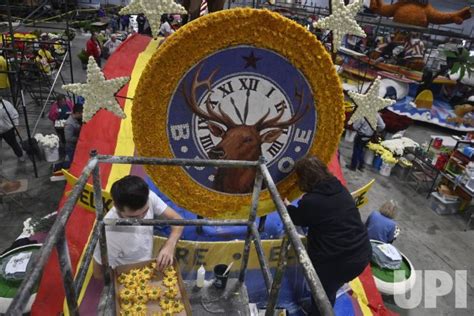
{"x": 57, "y": 238}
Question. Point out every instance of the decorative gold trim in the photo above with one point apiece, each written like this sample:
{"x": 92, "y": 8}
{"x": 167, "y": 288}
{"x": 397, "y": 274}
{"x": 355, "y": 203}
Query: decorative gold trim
{"x": 186, "y": 48}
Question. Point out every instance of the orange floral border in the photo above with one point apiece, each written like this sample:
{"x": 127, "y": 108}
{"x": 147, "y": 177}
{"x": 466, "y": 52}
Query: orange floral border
{"x": 186, "y": 48}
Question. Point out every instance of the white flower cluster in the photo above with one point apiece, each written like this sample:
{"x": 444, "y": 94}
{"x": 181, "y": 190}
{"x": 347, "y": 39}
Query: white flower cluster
{"x": 398, "y": 145}
{"x": 153, "y": 9}
{"x": 50, "y": 141}
{"x": 28, "y": 229}
{"x": 53, "y": 36}
{"x": 369, "y": 104}
{"x": 98, "y": 92}
{"x": 59, "y": 123}
{"x": 341, "y": 21}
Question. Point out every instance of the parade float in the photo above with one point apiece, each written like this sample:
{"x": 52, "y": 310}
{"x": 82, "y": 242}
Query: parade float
{"x": 215, "y": 92}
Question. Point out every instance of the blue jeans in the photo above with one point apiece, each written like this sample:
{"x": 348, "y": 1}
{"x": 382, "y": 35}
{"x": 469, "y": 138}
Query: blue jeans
{"x": 358, "y": 150}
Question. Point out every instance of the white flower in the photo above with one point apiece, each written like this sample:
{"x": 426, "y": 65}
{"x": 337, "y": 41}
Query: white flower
{"x": 49, "y": 141}
{"x": 397, "y": 146}
{"x": 342, "y": 21}
{"x": 98, "y": 92}
{"x": 28, "y": 229}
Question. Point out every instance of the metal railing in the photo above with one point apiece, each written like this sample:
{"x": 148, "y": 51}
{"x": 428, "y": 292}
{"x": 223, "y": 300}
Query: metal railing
{"x": 57, "y": 238}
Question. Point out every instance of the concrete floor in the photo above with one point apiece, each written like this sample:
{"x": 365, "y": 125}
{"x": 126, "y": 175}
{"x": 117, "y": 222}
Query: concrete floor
{"x": 432, "y": 242}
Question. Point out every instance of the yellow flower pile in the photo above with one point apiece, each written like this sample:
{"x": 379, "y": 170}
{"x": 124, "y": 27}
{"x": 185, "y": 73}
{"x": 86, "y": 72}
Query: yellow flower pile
{"x": 201, "y": 38}
{"x": 137, "y": 291}
{"x": 169, "y": 304}
{"x": 383, "y": 152}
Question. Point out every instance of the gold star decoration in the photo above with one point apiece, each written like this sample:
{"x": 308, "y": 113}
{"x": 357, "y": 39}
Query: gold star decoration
{"x": 341, "y": 21}
{"x": 369, "y": 104}
{"x": 153, "y": 9}
{"x": 97, "y": 92}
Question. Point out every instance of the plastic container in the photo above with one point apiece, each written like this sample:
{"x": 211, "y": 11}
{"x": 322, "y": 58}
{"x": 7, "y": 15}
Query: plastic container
{"x": 377, "y": 162}
{"x": 369, "y": 157}
{"x": 51, "y": 154}
{"x": 201, "y": 273}
{"x": 386, "y": 169}
{"x": 221, "y": 280}
{"x": 442, "y": 206}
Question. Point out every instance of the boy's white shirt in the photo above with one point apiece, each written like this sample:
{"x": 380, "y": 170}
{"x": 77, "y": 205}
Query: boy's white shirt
{"x": 130, "y": 244}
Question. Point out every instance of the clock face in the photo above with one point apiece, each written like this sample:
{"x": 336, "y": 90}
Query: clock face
{"x": 239, "y": 104}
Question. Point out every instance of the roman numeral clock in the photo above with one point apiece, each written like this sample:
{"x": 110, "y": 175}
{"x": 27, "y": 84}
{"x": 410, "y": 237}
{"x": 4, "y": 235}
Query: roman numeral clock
{"x": 270, "y": 92}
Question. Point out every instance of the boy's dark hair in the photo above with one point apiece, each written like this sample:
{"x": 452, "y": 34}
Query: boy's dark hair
{"x": 130, "y": 191}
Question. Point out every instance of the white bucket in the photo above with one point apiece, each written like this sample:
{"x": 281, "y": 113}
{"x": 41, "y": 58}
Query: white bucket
{"x": 350, "y": 135}
{"x": 51, "y": 154}
{"x": 369, "y": 157}
{"x": 386, "y": 169}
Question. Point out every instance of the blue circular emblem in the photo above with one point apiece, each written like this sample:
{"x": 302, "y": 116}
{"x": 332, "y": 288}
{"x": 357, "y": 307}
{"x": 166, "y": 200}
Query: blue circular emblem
{"x": 241, "y": 103}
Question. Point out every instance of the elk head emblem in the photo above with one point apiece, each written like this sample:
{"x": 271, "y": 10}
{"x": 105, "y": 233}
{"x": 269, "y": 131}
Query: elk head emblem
{"x": 239, "y": 141}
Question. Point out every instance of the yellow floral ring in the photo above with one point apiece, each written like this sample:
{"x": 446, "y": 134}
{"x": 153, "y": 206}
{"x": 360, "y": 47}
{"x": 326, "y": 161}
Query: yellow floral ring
{"x": 154, "y": 293}
{"x": 126, "y": 312}
{"x": 141, "y": 298}
{"x": 178, "y": 307}
{"x": 166, "y": 303}
{"x": 126, "y": 304}
{"x": 139, "y": 310}
{"x": 147, "y": 273}
{"x": 167, "y": 312}
{"x": 169, "y": 271}
{"x": 154, "y": 95}
{"x": 122, "y": 279}
{"x": 127, "y": 294}
{"x": 170, "y": 281}
{"x": 171, "y": 293}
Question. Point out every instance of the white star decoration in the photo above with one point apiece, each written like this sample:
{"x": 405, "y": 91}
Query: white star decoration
{"x": 98, "y": 93}
{"x": 341, "y": 21}
{"x": 153, "y": 9}
{"x": 369, "y": 104}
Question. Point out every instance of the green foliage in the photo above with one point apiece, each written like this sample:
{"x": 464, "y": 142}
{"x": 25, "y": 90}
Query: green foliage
{"x": 83, "y": 56}
{"x": 463, "y": 63}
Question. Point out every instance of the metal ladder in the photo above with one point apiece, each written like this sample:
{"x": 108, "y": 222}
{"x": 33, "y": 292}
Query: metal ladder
{"x": 57, "y": 238}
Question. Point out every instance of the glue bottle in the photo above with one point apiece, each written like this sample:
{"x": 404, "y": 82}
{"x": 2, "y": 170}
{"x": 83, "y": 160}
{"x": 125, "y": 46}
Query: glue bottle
{"x": 201, "y": 273}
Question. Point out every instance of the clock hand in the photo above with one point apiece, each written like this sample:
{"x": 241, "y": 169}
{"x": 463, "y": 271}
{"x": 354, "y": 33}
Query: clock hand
{"x": 236, "y": 110}
{"x": 246, "y": 110}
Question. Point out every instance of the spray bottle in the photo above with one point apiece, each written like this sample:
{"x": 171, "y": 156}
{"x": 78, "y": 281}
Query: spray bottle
{"x": 201, "y": 273}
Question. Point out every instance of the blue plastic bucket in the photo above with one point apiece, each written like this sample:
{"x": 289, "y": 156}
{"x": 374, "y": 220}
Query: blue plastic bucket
{"x": 377, "y": 162}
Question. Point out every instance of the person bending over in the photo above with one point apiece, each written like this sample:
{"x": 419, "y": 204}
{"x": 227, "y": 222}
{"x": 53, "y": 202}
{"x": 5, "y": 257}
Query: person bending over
{"x": 380, "y": 224}
{"x": 129, "y": 244}
{"x": 338, "y": 245}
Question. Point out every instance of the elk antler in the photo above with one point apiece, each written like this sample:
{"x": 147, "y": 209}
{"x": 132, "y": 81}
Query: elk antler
{"x": 263, "y": 123}
{"x": 191, "y": 101}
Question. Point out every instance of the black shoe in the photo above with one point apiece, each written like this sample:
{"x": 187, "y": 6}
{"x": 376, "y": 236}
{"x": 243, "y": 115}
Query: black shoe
{"x": 350, "y": 168}
{"x": 361, "y": 168}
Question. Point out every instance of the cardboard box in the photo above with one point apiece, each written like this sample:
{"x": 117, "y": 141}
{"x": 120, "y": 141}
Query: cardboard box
{"x": 153, "y": 306}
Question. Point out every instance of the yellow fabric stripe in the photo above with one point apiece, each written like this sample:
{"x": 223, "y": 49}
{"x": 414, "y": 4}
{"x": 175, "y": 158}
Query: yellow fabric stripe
{"x": 360, "y": 295}
{"x": 125, "y": 144}
{"x": 125, "y": 147}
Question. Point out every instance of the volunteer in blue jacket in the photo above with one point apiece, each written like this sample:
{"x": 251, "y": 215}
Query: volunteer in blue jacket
{"x": 380, "y": 224}
{"x": 338, "y": 245}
